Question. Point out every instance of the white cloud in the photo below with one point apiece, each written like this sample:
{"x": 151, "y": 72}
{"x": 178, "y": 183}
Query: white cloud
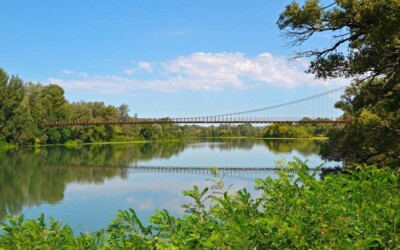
{"x": 71, "y": 72}
{"x": 199, "y": 71}
{"x": 145, "y": 66}
{"x": 136, "y": 187}
{"x": 142, "y": 67}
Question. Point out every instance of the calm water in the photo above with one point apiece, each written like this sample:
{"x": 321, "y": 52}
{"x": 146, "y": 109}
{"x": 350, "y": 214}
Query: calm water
{"x": 85, "y": 186}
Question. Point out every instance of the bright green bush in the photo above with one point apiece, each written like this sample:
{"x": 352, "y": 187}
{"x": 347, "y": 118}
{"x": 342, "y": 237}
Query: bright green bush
{"x": 358, "y": 210}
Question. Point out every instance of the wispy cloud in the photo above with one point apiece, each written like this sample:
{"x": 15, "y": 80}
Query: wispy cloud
{"x": 142, "y": 67}
{"x": 198, "y": 71}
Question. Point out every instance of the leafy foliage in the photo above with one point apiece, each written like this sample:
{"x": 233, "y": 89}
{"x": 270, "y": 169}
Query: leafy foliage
{"x": 348, "y": 211}
{"x": 278, "y": 130}
{"x": 366, "y": 47}
{"x": 368, "y": 29}
{"x": 11, "y": 95}
{"x": 374, "y": 135}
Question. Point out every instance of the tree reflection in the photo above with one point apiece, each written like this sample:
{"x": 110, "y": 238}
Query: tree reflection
{"x": 305, "y": 147}
{"x": 33, "y": 176}
{"x": 30, "y": 177}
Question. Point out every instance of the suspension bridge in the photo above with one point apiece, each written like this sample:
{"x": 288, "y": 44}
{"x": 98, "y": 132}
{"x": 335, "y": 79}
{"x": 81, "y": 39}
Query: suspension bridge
{"x": 313, "y": 109}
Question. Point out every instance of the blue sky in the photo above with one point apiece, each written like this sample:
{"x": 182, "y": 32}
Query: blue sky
{"x": 161, "y": 57}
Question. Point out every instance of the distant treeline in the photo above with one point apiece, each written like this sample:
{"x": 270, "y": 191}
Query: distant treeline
{"x": 25, "y": 106}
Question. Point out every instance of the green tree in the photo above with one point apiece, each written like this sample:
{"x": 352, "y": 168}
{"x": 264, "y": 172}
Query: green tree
{"x": 374, "y": 135}
{"x": 25, "y": 129}
{"x": 366, "y": 47}
{"x": 47, "y": 103}
{"x": 151, "y": 132}
{"x": 56, "y": 107}
{"x": 123, "y": 112}
{"x": 11, "y": 95}
{"x": 246, "y": 130}
{"x": 93, "y": 111}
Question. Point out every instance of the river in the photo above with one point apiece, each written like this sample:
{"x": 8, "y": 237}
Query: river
{"x": 86, "y": 185}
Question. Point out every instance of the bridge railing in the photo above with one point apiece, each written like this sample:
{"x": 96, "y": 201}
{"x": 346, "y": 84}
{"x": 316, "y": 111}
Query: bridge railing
{"x": 252, "y": 120}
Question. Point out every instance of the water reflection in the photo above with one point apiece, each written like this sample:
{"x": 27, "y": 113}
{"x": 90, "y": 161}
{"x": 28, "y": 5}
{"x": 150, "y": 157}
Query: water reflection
{"x": 229, "y": 145}
{"x": 304, "y": 147}
{"x": 24, "y": 181}
{"x": 31, "y": 177}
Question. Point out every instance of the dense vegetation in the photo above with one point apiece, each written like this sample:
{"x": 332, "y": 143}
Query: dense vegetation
{"x": 349, "y": 211}
{"x": 25, "y": 106}
{"x": 366, "y": 48}
{"x": 296, "y": 130}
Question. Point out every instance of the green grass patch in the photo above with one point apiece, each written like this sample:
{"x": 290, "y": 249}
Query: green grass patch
{"x": 71, "y": 144}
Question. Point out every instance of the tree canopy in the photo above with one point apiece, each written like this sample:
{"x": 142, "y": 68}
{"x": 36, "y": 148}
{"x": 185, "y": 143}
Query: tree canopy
{"x": 365, "y": 35}
{"x": 365, "y": 48}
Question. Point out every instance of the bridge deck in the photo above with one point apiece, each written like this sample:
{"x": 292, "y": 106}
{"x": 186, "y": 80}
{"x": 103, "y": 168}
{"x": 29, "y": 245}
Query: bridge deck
{"x": 190, "y": 121}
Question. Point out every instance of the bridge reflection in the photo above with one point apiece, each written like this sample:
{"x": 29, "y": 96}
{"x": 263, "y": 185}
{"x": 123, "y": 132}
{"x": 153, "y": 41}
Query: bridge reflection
{"x": 247, "y": 173}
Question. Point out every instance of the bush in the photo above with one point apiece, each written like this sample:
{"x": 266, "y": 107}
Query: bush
{"x": 360, "y": 210}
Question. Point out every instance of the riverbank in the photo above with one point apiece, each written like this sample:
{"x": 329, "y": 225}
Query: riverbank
{"x": 71, "y": 144}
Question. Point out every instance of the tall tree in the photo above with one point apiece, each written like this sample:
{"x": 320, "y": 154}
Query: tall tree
{"x": 123, "y": 112}
{"x": 366, "y": 47}
{"x": 47, "y": 103}
{"x": 11, "y": 94}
